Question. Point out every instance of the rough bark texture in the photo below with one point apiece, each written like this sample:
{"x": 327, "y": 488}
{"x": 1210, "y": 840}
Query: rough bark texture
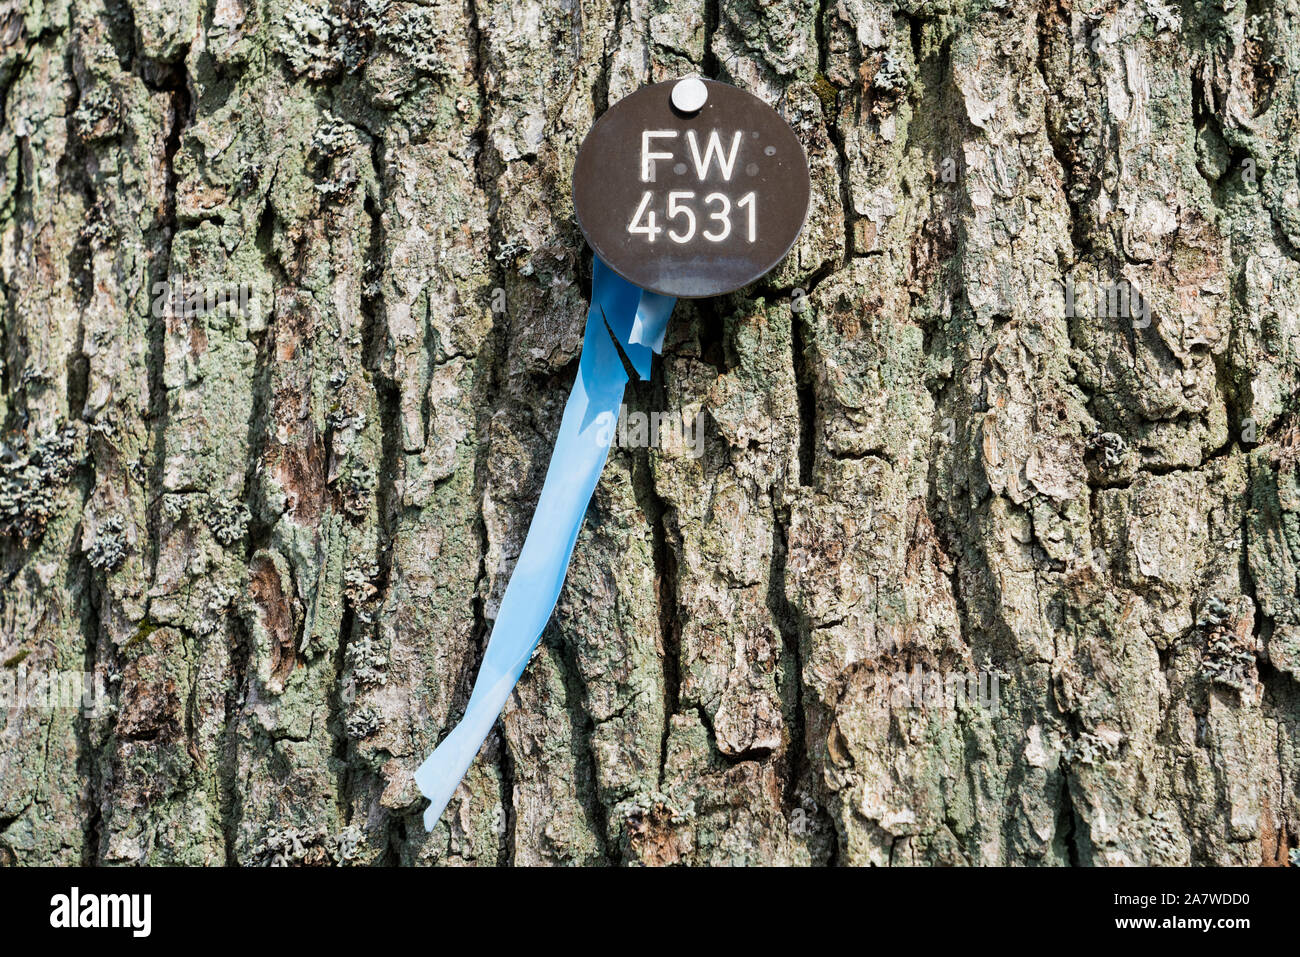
{"x": 280, "y": 534}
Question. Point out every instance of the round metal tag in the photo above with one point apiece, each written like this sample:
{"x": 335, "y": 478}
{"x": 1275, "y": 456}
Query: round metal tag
{"x": 691, "y": 204}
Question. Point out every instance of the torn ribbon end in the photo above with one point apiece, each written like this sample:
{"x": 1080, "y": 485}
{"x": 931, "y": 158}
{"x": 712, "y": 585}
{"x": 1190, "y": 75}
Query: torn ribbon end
{"x": 621, "y": 316}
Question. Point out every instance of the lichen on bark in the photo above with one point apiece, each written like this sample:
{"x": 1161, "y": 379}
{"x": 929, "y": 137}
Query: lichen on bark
{"x": 1019, "y": 404}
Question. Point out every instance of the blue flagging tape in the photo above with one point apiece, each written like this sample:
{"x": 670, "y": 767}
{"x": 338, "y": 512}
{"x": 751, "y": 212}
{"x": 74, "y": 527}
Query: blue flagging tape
{"x": 638, "y": 320}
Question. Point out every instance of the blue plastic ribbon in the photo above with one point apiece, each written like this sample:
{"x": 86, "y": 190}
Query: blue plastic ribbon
{"x": 638, "y": 320}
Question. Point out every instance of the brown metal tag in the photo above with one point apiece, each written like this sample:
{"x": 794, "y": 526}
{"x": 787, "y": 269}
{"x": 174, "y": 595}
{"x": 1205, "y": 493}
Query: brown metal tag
{"x": 691, "y": 204}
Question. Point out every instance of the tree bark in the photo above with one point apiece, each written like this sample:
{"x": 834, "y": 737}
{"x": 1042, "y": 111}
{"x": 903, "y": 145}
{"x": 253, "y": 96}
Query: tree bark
{"x": 1020, "y": 405}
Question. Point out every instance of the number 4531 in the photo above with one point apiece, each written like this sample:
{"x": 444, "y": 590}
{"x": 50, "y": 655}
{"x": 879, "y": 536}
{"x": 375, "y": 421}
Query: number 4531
{"x": 679, "y": 208}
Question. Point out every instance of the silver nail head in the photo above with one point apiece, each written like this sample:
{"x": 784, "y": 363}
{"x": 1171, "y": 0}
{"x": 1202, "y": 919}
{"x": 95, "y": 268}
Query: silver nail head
{"x": 690, "y": 94}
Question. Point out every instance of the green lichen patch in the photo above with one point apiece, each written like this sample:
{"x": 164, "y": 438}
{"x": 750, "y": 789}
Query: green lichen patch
{"x": 32, "y": 479}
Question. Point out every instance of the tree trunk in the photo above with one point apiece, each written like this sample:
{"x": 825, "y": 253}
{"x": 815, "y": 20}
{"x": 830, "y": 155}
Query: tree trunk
{"x": 1017, "y": 412}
